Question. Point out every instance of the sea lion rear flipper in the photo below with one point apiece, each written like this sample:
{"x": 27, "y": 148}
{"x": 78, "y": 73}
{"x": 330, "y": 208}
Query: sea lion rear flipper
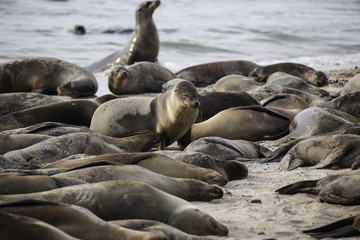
{"x": 332, "y": 158}
{"x": 299, "y": 187}
{"x": 341, "y": 228}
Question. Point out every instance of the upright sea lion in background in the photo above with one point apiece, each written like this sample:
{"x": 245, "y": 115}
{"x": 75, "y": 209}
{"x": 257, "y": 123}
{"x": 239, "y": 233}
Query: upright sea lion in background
{"x": 14, "y": 102}
{"x": 171, "y": 114}
{"x": 77, "y": 112}
{"x": 115, "y": 200}
{"x": 188, "y": 189}
{"x": 140, "y": 77}
{"x": 208, "y": 73}
{"x": 348, "y": 227}
{"x": 310, "y": 75}
{"x": 47, "y": 75}
{"x": 143, "y": 46}
{"x": 75, "y": 221}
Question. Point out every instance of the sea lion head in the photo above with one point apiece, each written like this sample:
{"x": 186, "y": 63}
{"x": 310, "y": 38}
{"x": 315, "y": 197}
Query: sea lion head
{"x": 317, "y": 78}
{"x": 187, "y": 93}
{"x": 119, "y": 80}
{"x": 146, "y": 9}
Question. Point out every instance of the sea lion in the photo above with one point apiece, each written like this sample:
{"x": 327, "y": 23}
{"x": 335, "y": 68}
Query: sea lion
{"x": 60, "y": 147}
{"x": 13, "y": 142}
{"x": 77, "y": 112}
{"x": 252, "y": 123}
{"x": 344, "y": 228}
{"x": 237, "y": 83}
{"x": 352, "y": 86}
{"x": 348, "y": 103}
{"x": 15, "y": 183}
{"x": 317, "y": 120}
{"x": 340, "y": 150}
{"x": 19, "y": 227}
{"x": 171, "y": 114}
{"x": 140, "y": 77}
{"x": 285, "y": 101}
{"x": 188, "y": 189}
{"x": 139, "y": 142}
{"x": 157, "y": 163}
{"x": 146, "y": 225}
{"x": 310, "y": 75}
{"x": 290, "y": 81}
{"x": 211, "y": 103}
{"x": 143, "y": 45}
{"x": 13, "y": 102}
{"x": 121, "y": 199}
{"x": 75, "y": 220}
{"x": 47, "y": 75}
{"x": 313, "y": 186}
{"x": 208, "y": 73}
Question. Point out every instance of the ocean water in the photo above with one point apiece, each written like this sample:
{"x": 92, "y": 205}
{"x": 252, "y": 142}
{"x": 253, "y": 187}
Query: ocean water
{"x": 322, "y": 34}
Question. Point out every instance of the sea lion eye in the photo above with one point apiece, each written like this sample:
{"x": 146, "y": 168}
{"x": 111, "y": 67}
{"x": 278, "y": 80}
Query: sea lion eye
{"x": 185, "y": 95}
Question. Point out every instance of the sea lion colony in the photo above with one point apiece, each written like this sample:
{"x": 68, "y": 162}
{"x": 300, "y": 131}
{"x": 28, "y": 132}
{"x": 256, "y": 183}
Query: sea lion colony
{"x": 97, "y": 157}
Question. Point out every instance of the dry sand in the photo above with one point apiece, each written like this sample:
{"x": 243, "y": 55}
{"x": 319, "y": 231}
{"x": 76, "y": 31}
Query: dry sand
{"x": 252, "y": 209}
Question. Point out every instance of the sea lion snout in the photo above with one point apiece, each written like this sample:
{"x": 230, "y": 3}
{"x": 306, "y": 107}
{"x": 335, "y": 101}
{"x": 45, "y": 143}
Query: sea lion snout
{"x": 194, "y": 104}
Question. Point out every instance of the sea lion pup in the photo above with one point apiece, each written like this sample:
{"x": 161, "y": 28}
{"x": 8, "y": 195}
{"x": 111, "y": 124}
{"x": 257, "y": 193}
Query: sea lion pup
{"x": 143, "y": 45}
{"x": 188, "y": 189}
{"x": 310, "y": 75}
{"x": 75, "y": 220}
{"x": 252, "y": 123}
{"x": 122, "y": 199}
{"x": 77, "y": 112}
{"x": 146, "y": 225}
{"x": 60, "y": 147}
{"x": 47, "y": 75}
{"x": 285, "y": 101}
{"x": 348, "y": 103}
{"x": 18, "y": 227}
{"x": 152, "y": 161}
{"x": 327, "y": 151}
{"x": 139, "y": 142}
{"x": 313, "y": 186}
{"x": 15, "y": 183}
{"x": 14, "y": 102}
{"x": 13, "y": 142}
{"x": 290, "y": 81}
{"x": 352, "y": 86}
{"x": 140, "y": 77}
{"x": 171, "y": 114}
{"x": 348, "y": 227}
{"x": 237, "y": 83}
{"x": 208, "y": 73}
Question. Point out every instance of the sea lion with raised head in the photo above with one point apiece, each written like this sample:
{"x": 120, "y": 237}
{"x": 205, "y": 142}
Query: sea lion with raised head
{"x": 188, "y": 189}
{"x": 141, "y": 77}
{"x": 121, "y": 199}
{"x": 46, "y": 75}
{"x": 143, "y": 45}
{"x": 171, "y": 114}
{"x": 310, "y": 75}
{"x": 208, "y": 73}
{"x": 75, "y": 221}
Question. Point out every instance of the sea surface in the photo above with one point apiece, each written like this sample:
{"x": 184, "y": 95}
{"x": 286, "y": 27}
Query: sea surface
{"x": 322, "y": 34}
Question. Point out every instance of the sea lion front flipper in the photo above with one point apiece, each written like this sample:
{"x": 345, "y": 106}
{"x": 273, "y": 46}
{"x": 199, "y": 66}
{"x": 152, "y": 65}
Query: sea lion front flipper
{"x": 299, "y": 187}
{"x": 341, "y": 228}
{"x": 290, "y": 162}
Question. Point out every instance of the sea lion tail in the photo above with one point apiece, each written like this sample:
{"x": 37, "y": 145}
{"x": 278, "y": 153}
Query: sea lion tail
{"x": 341, "y": 228}
{"x": 299, "y": 187}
